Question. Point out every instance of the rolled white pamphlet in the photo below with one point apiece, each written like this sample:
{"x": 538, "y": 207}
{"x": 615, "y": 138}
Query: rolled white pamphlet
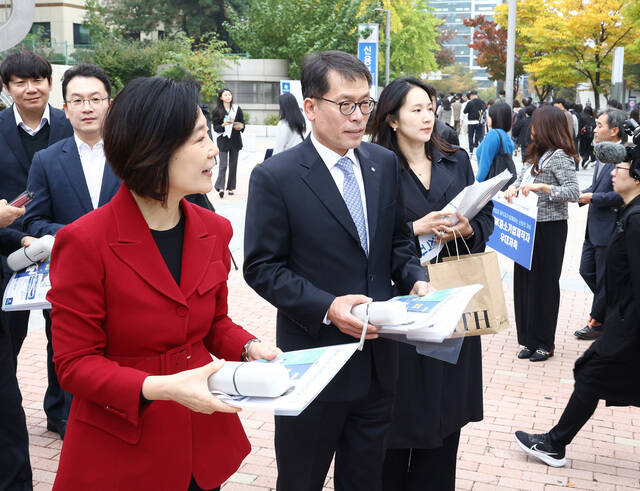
{"x": 25, "y": 256}
{"x": 382, "y": 313}
{"x": 252, "y": 378}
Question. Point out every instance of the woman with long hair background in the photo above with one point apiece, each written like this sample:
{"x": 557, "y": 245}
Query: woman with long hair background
{"x": 227, "y": 119}
{"x": 549, "y": 171}
{"x": 292, "y": 126}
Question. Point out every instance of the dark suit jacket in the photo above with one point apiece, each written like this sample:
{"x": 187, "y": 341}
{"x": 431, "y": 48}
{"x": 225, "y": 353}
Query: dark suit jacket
{"x": 14, "y": 162}
{"x": 119, "y": 316}
{"x": 448, "y": 133}
{"x": 235, "y": 142}
{"x": 62, "y": 196}
{"x": 9, "y": 242}
{"x": 302, "y": 250}
{"x": 605, "y": 202}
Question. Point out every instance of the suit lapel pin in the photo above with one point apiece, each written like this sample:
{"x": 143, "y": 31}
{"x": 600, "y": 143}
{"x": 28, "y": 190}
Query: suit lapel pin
{"x": 373, "y": 169}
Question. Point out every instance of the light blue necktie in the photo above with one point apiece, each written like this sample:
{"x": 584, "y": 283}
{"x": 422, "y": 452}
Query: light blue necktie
{"x": 353, "y": 200}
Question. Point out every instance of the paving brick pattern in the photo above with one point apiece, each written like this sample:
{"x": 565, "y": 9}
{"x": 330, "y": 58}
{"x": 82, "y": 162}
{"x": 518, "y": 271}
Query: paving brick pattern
{"x": 518, "y": 394}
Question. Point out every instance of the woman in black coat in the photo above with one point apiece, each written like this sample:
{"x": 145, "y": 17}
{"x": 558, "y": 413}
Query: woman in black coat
{"x": 609, "y": 368}
{"x": 227, "y": 119}
{"x": 434, "y": 399}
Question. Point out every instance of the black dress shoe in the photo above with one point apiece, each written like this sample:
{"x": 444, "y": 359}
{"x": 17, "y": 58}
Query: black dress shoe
{"x": 588, "y": 333}
{"x": 58, "y": 426}
{"x": 221, "y": 193}
{"x": 541, "y": 354}
{"x": 524, "y": 353}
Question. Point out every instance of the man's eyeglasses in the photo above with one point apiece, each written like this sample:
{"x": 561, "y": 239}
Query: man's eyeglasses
{"x": 347, "y": 107}
{"x": 620, "y": 167}
{"x": 94, "y": 101}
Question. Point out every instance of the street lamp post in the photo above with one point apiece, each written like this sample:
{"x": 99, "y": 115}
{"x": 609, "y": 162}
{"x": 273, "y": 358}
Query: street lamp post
{"x": 387, "y": 35}
{"x": 511, "y": 52}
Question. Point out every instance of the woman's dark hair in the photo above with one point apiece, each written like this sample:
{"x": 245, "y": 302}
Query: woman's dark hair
{"x": 147, "y": 122}
{"x": 391, "y": 100}
{"x": 85, "y": 70}
{"x": 446, "y": 104}
{"x": 501, "y": 116}
{"x": 529, "y": 110}
{"x": 635, "y": 114}
{"x": 549, "y": 131}
{"x": 588, "y": 111}
{"x": 24, "y": 64}
{"x": 290, "y": 112}
{"x": 219, "y": 111}
{"x": 316, "y": 67}
{"x": 516, "y": 103}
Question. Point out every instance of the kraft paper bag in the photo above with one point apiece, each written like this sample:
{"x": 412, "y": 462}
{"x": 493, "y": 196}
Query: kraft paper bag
{"x": 487, "y": 311}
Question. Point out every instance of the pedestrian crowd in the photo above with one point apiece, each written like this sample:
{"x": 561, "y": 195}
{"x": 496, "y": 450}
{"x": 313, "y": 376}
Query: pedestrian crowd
{"x": 138, "y": 318}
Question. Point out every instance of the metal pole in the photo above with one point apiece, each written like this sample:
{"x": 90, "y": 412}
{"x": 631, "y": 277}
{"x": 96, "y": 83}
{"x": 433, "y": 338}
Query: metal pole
{"x": 511, "y": 52}
{"x": 387, "y": 58}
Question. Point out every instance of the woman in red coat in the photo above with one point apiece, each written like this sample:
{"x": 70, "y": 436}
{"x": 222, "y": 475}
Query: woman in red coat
{"x": 139, "y": 310}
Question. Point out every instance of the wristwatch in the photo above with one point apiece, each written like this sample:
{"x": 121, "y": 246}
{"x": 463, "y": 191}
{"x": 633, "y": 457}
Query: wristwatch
{"x": 245, "y": 351}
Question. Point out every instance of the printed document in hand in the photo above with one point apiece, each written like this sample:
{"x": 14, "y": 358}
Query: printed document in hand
{"x": 310, "y": 370}
{"x": 432, "y": 318}
{"x": 27, "y": 289}
{"x": 467, "y": 203}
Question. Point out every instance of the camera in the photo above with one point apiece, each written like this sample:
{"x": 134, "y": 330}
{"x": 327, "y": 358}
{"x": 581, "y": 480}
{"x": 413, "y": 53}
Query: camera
{"x": 632, "y": 128}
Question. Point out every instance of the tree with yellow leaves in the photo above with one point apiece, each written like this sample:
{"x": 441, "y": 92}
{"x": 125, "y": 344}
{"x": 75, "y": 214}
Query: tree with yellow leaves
{"x": 563, "y": 42}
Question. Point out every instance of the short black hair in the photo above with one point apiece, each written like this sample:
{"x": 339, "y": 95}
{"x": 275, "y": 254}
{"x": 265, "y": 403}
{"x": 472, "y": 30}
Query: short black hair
{"x": 501, "y": 116}
{"x": 316, "y": 68}
{"x": 559, "y": 101}
{"x": 147, "y": 122}
{"x": 24, "y": 64}
{"x": 85, "y": 70}
{"x": 501, "y": 92}
{"x": 473, "y": 92}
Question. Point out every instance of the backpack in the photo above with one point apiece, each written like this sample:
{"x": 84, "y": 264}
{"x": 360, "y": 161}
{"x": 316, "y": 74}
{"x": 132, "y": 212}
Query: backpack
{"x": 501, "y": 162}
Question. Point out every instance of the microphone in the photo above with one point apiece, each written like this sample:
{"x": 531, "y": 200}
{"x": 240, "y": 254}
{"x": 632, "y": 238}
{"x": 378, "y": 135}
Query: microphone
{"x": 610, "y": 153}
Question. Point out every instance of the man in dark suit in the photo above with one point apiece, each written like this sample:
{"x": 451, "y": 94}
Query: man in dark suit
{"x": 26, "y": 127}
{"x": 325, "y": 231}
{"x": 15, "y": 468}
{"x": 69, "y": 179}
{"x": 604, "y": 203}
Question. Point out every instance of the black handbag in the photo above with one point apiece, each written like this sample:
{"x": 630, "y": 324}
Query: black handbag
{"x": 501, "y": 162}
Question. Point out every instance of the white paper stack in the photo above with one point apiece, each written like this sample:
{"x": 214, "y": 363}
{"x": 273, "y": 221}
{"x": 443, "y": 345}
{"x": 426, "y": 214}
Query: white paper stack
{"x": 467, "y": 203}
{"x": 432, "y": 318}
{"x": 309, "y": 372}
{"x": 27, "y": 290}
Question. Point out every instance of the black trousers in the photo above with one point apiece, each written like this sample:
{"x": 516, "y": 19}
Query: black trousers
{"x": 229, "y": 159}
{"x": 592, "y": 267}
{"x": 536, "y": 293}
{"x": 418, "y": 469}
{"x": 57, "y": 402}
{"x": 354, "y": 430}
{"x": 580, "y": 408}
{"x": 15, "y": 467}
{"x": 476, "y": 134}
{"x": 193, "y": 486}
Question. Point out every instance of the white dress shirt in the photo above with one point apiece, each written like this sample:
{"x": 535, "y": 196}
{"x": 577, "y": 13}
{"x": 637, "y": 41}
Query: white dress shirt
{"x": 93, "y": 161}
{"x": 330, "y": 158}
{"x": 45, "y": 119}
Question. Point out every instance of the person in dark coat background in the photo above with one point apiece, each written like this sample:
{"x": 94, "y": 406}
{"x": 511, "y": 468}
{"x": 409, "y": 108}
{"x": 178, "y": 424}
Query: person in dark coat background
{"x": 227, "y": 119}
{"x": 608, "y": 369}
{"x": 435, "y": 399}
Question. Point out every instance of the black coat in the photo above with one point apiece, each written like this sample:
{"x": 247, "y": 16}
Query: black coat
{"x": 610, "y": 366}
{"x": 435, "y": 398}
{"x": 235, "y": 142}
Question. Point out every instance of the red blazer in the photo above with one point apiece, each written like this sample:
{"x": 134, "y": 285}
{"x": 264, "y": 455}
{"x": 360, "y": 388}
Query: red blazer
{"x": 118, "y": 316}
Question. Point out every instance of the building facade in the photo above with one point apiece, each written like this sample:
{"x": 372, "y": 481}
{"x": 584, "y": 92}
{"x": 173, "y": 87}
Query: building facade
{"x": 452, "y": 12}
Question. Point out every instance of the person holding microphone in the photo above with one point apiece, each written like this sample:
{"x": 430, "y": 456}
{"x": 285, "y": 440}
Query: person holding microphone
{"x": 606, "y": 370}
{"x": 139, "y": 309}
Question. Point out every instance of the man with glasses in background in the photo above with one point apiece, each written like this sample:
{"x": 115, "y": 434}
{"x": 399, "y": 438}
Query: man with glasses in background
{"x": 30, "y": 124}
{"x": 70, "y": 179}
{"x": 324, "y": 232}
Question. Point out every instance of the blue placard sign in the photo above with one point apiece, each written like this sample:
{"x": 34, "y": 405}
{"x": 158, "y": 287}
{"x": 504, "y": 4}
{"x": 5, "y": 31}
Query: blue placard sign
{"x": 368, "y": 52}
{"x": 513, "y": 233}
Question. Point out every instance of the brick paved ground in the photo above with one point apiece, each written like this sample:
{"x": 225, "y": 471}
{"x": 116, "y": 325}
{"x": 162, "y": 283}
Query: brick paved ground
{"x": 517, "y": 394}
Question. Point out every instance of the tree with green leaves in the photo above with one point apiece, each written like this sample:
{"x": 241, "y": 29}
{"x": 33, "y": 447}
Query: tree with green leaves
{"x": 291, "y": 29}
{"x": 192, "y": 18}
{"x": 455, "y": 78}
